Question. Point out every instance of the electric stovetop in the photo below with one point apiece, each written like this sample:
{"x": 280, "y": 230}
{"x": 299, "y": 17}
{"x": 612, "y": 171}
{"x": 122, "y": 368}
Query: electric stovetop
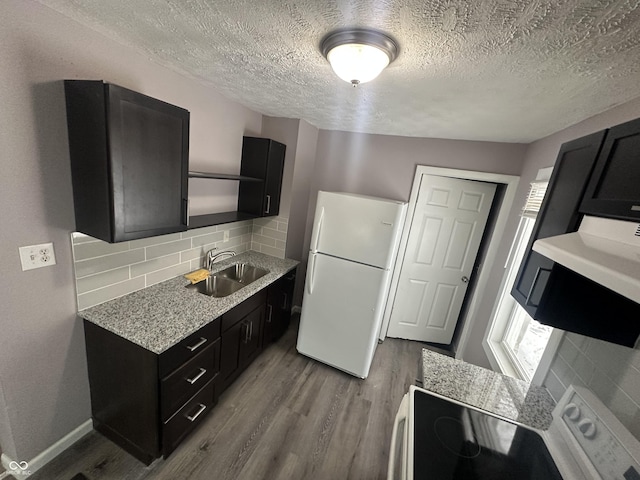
{"x": 455, "y": 442}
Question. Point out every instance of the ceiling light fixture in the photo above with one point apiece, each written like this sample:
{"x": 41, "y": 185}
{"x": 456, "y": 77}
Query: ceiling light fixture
{"x": 358, "y": 55}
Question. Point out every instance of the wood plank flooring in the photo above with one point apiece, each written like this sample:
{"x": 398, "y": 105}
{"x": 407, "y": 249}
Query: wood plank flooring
{"x": 286, "y": 417}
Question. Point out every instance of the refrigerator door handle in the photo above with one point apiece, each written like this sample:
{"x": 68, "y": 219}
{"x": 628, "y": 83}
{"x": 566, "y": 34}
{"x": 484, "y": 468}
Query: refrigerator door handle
{"x": 316, "y": 240}
{"x": 312, "y": 259}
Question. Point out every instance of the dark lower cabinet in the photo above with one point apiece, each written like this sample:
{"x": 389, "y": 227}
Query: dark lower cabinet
{"x": 558, "y": 214}
{"x": 148, "y": 403}
{"x": 278, "y": 314}
{"x": 241, "y": 338}
{"x": 145, "y": 402}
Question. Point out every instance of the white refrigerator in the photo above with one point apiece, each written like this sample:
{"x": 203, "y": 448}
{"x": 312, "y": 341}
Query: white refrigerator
{"x": 353, "y": 249}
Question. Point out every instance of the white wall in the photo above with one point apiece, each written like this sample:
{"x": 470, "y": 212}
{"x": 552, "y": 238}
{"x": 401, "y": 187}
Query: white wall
{"x": 43, "y": 377}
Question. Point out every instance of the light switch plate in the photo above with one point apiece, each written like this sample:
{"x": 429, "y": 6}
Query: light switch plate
{"x": 225, "y": 236}
{"x": 37, "y": 256}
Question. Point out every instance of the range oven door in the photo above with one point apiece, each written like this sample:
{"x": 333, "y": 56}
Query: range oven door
{"x": 399, "y": 454}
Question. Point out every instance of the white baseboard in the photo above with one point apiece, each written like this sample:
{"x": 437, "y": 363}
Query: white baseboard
{"x": 36, "y": 463}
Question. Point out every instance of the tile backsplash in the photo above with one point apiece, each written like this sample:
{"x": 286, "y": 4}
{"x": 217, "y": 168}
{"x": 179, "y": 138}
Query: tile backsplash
{"x": 105, "y": 271}
{"x": 611, "y": 371}
{"x": 270, "y": 235}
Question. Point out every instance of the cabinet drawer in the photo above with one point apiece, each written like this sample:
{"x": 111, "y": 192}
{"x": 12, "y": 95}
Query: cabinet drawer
{"x": 183, "y": 383}
{"x": 187, "y": 418}
{"x": 237, "y": 313}
{"x": 188, "y": 348}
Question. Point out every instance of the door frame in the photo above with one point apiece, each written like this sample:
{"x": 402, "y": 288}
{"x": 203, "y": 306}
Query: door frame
{"x": 511, "y": 184}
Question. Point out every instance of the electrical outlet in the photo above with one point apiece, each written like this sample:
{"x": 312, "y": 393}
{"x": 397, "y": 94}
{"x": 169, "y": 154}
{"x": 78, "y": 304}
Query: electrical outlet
{"x": 225, "y": 236}
{"x": 37, "y": 256}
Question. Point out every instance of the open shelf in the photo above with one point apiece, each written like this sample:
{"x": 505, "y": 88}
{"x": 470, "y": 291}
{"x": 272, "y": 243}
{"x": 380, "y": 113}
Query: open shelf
{"x": 199, "y": 221}
{"x": 223, "y": 176}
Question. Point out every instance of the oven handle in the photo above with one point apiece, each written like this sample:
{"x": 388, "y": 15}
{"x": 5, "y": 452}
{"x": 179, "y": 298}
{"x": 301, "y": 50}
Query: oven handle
{"x": 401, "y": 416}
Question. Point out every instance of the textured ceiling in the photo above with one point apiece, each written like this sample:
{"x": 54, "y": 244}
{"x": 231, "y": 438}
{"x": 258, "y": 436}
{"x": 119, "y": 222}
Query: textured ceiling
{"x": 502, "y": 70}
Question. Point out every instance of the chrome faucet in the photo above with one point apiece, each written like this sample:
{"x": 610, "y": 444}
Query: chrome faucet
{"x": 211, "y": 257}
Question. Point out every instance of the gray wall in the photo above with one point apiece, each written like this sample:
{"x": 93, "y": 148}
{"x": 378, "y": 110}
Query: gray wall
{"x": 301, "y": 139}
{"x": 539, "y": 154}
{"x": 43, "y": 377}
{"x": 384, "y": 166}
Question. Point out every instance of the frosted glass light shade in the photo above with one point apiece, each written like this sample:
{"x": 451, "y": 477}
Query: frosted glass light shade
{"x": 357, "y": 63}
{"x": 358, "y": 55}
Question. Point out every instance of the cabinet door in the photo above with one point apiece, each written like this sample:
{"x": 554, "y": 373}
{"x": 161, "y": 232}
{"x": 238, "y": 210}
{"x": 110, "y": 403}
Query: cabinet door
{"x": 262, "y": 158}
{"x": 613, "y": 189}
{"x": 273, "y": 180}
{"x": 230, "y": 359}
{"x": 278, "y": 314}
{"x": 273, "y": 314}
{"x": 251, "y": 343}
{"x": 129, "y": 161}
{"x": 558, "y": 214}
{"x": 149, "y": 145}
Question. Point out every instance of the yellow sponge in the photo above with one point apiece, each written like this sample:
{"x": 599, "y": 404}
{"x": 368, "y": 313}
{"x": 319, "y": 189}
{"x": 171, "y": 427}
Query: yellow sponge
{"x": 197, "y": 276}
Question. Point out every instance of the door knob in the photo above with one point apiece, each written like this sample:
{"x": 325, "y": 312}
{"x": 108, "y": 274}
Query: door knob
{"x": 465, "y": 279}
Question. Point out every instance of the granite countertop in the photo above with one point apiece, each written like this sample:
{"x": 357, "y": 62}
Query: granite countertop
{"x": 487, "y": 390}
{"x": 159, "y": 316}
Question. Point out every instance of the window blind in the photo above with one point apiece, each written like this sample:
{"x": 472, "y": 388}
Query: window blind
{"x": 534, "y": 199}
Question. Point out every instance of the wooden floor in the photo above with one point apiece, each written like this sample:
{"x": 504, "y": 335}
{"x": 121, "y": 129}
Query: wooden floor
{"x": 286, "y": 417}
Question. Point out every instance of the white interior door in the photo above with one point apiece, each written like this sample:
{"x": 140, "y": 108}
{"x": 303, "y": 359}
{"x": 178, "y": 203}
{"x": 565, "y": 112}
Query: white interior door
{"x": 446, "y": 230}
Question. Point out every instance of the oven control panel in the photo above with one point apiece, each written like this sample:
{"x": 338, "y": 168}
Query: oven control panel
{"x": 613, "y": 451}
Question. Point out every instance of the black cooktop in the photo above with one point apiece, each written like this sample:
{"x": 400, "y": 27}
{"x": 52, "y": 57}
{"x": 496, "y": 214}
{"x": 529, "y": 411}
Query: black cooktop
{"x": 455, "y": 442}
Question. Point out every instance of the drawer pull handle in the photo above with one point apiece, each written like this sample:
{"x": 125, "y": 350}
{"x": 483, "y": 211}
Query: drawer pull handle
{"x": 193, "y": 417}
{"x": 270, "y": 313}
{"x": 198, "y": 345}
{"x": 195, "y": 379}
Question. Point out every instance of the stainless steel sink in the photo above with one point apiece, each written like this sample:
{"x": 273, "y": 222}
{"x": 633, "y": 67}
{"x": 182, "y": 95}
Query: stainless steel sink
{"x": 229, "y": 280}
{"x": 242, "y": 272}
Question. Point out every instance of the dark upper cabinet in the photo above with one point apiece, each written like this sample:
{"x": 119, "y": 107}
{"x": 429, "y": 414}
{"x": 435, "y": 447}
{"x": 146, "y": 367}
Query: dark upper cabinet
{"x": 614, "y": 189}
{"x": 558, "y": 214}
{"x": 262, "y": 158}
{"x": 129, "y": 162}
{"x": 574, "y": 303}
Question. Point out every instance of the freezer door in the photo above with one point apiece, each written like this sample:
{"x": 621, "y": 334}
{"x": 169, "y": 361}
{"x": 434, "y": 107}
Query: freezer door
{"x": 341, "y": 313}
{"x": 358, "y": 228}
